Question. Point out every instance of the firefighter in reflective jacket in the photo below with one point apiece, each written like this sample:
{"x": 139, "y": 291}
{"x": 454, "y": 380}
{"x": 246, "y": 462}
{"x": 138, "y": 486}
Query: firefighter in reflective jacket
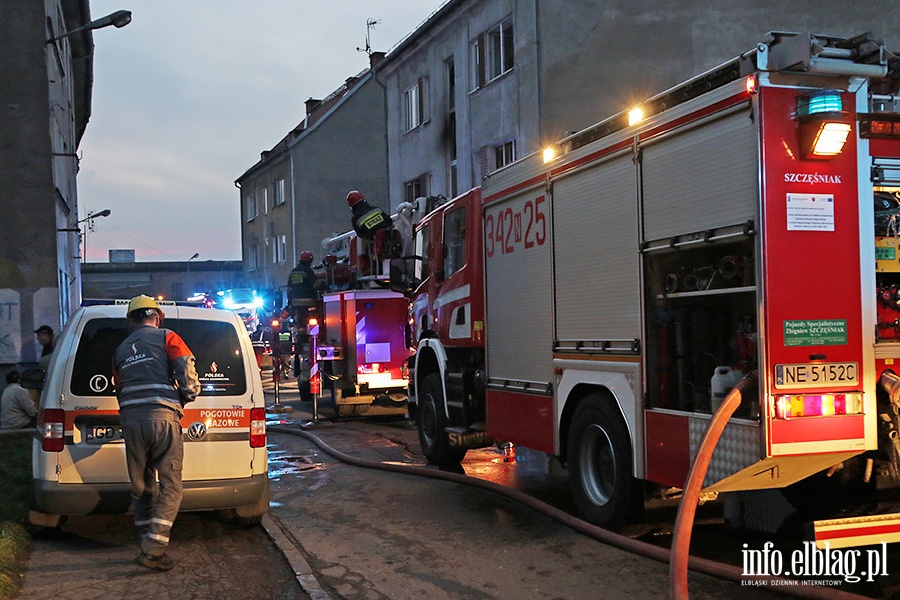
{"x": 155, "y": 376}
{"x": 366, "y": 219}
{"x": 302, "y": 287}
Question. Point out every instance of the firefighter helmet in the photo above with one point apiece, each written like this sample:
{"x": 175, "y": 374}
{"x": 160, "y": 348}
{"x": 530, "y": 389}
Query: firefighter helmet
{"x": 354, "y": 198}
{"x": 143, "y": 304}
{"x": 306, "y": 256}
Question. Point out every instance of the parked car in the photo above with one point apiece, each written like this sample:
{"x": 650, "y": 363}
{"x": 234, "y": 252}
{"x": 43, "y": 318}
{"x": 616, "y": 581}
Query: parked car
{"x": 79, "y": 456}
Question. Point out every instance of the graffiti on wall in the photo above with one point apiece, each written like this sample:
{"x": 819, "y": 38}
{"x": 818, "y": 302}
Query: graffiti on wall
{"x": 10, "y": 326}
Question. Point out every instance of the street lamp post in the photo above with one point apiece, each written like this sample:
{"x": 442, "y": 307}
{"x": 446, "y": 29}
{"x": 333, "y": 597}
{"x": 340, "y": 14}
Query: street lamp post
{"x": 120, "y": 18}
{"x": 89, "y": 219}
{"x": 82, "y": 235}
{"x": 189, "y": 281}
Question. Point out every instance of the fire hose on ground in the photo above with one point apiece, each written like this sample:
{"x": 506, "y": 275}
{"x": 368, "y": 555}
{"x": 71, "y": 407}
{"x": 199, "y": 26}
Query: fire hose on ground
{"x": 680, "y": 557}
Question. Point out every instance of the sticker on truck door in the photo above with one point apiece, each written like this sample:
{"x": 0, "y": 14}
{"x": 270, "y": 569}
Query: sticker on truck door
{"x": 815, "y": 332}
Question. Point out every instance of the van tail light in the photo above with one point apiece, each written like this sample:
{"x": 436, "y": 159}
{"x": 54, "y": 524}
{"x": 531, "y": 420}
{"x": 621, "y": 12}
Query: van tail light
{"x": 257, "y": 427}
{"x": 52, "y": 428}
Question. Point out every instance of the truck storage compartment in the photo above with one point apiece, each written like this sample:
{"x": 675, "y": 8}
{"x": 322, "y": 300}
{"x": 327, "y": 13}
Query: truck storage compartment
{"x": 701, "y": 316}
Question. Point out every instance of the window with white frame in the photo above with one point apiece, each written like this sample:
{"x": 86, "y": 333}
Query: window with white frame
{"x": 282, "y": 248}
{"x": 415, "y": 105}
{"x": 278, "y": 192}
{"x": 492, "y": 54}
{"x": 504, "y": 154}
{"x": 252, "y": 210}
{"x": 265, "y": 200}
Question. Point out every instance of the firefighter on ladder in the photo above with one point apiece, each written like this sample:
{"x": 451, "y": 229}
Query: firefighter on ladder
{"x": 303, "y": 286}
{"x": 374, "y": 227}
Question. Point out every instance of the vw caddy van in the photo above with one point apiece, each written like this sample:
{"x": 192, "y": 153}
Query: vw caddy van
{"x": 79, "y": 454}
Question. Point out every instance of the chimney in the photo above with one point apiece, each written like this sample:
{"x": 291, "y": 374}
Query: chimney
{"x": 375, "y": 58}
{"x": 311, "y": 105}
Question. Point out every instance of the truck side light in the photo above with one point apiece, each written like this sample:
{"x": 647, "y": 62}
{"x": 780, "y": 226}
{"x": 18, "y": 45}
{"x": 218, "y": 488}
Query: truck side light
{"x": 635, "y": 116}
{"x": 52, "y": 428}
{"x": 549, "y": 154}
{"x": 752, "y": 84}
{"x": 257, "y": 427}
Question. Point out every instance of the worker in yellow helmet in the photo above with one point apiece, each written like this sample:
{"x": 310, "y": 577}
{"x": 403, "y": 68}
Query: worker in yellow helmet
{"x": 155, "y": 375}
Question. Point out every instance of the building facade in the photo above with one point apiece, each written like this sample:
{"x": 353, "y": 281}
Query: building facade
{"x": 45, "y": 103}
{"x": 294, "y": 197}
{"x": 484, "y": 82}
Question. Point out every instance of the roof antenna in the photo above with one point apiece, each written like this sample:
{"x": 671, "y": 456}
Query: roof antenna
{"x": 370, "y": 25}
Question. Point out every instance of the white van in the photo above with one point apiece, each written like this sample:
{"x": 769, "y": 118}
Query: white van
{"x": 79, "y": 455}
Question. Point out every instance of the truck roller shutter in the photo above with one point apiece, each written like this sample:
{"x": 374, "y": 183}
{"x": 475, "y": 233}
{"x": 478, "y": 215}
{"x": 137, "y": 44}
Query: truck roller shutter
{"x": 519, "y": 337}
{"x": 704, "y": 174}
{"x": 596, "y": 236}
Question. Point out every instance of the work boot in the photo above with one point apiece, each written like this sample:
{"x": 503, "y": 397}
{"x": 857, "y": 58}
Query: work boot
{"x": 160, "y": 562}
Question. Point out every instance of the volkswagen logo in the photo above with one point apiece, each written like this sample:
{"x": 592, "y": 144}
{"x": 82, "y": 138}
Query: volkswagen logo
{"x": 197, "y": 431}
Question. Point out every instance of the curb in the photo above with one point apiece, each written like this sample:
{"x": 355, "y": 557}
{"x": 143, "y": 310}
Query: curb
{"x": 290, "y": 548}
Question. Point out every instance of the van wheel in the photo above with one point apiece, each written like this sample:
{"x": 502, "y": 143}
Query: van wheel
{"x": 432, "y": 424}
{"x": 599, "y": 464}
{"x": 250, "y": 515}
{"x": 39, "y": 523}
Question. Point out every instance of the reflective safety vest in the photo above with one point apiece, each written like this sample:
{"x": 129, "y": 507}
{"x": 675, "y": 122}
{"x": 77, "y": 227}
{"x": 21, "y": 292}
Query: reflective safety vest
{"x": 155, "y": 366}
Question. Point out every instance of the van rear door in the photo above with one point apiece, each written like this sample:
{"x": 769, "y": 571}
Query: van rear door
{"x": 217, "y": 424}
{"x": 94, "y": 451}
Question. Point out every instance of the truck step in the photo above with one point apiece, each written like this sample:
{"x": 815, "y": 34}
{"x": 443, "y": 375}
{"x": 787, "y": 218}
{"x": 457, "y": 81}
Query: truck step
{"x": 460, "y": 437}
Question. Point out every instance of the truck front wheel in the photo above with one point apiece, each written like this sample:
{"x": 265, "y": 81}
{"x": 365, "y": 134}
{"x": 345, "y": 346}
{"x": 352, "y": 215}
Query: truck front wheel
{"x": 599, "y": 464}
{"x": 432, "y": 422}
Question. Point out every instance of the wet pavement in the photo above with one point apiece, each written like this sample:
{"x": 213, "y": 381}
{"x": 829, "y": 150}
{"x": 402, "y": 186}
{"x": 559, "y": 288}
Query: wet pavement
{"x": 340, "y": 531}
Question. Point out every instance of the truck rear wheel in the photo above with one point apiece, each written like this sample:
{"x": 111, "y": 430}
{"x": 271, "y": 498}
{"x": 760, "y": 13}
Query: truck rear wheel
{"x": 599, "y": 464}
{"x": 432, "y": 423}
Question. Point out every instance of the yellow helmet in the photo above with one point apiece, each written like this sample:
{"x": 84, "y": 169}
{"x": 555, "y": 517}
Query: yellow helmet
{"x": 143, "y": 302}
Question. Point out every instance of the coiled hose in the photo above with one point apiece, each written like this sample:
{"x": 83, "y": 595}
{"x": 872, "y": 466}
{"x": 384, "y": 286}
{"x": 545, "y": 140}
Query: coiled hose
{"x": 699, "y": 565}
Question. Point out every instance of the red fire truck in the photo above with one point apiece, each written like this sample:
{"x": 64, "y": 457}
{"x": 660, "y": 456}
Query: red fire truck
{"x": 357, "y": 342}
{"x": 596, "y": 301}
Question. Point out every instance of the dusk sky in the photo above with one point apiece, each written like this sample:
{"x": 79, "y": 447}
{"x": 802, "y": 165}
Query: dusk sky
{"x": 187, "y": 96}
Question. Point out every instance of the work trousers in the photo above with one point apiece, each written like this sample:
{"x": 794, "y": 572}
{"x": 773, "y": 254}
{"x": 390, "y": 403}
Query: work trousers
{"x": 154, "y": 452}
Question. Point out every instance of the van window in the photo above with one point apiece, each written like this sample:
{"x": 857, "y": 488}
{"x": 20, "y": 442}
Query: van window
{"x": 220, "y": 361}
{"x": 92, "y": 370}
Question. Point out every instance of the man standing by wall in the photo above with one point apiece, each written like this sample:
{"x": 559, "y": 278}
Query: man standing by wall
{"x": 155, "y": 376}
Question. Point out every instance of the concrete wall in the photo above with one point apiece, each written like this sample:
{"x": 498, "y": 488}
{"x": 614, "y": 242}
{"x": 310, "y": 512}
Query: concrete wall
{"x": 343, "y": 151}
{"x": 271, "y": 222}
{"x": 576, "y": 63}
{"x": 601, "y": 57}
{"x": 39, "y": 278}
{"x": 502, "y": 110}
{"x": 341, "y": 147}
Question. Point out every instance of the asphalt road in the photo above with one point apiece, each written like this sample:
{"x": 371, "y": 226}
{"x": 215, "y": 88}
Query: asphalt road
{"x": 338, "y": 531}
{"x": 369, "y": 534}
